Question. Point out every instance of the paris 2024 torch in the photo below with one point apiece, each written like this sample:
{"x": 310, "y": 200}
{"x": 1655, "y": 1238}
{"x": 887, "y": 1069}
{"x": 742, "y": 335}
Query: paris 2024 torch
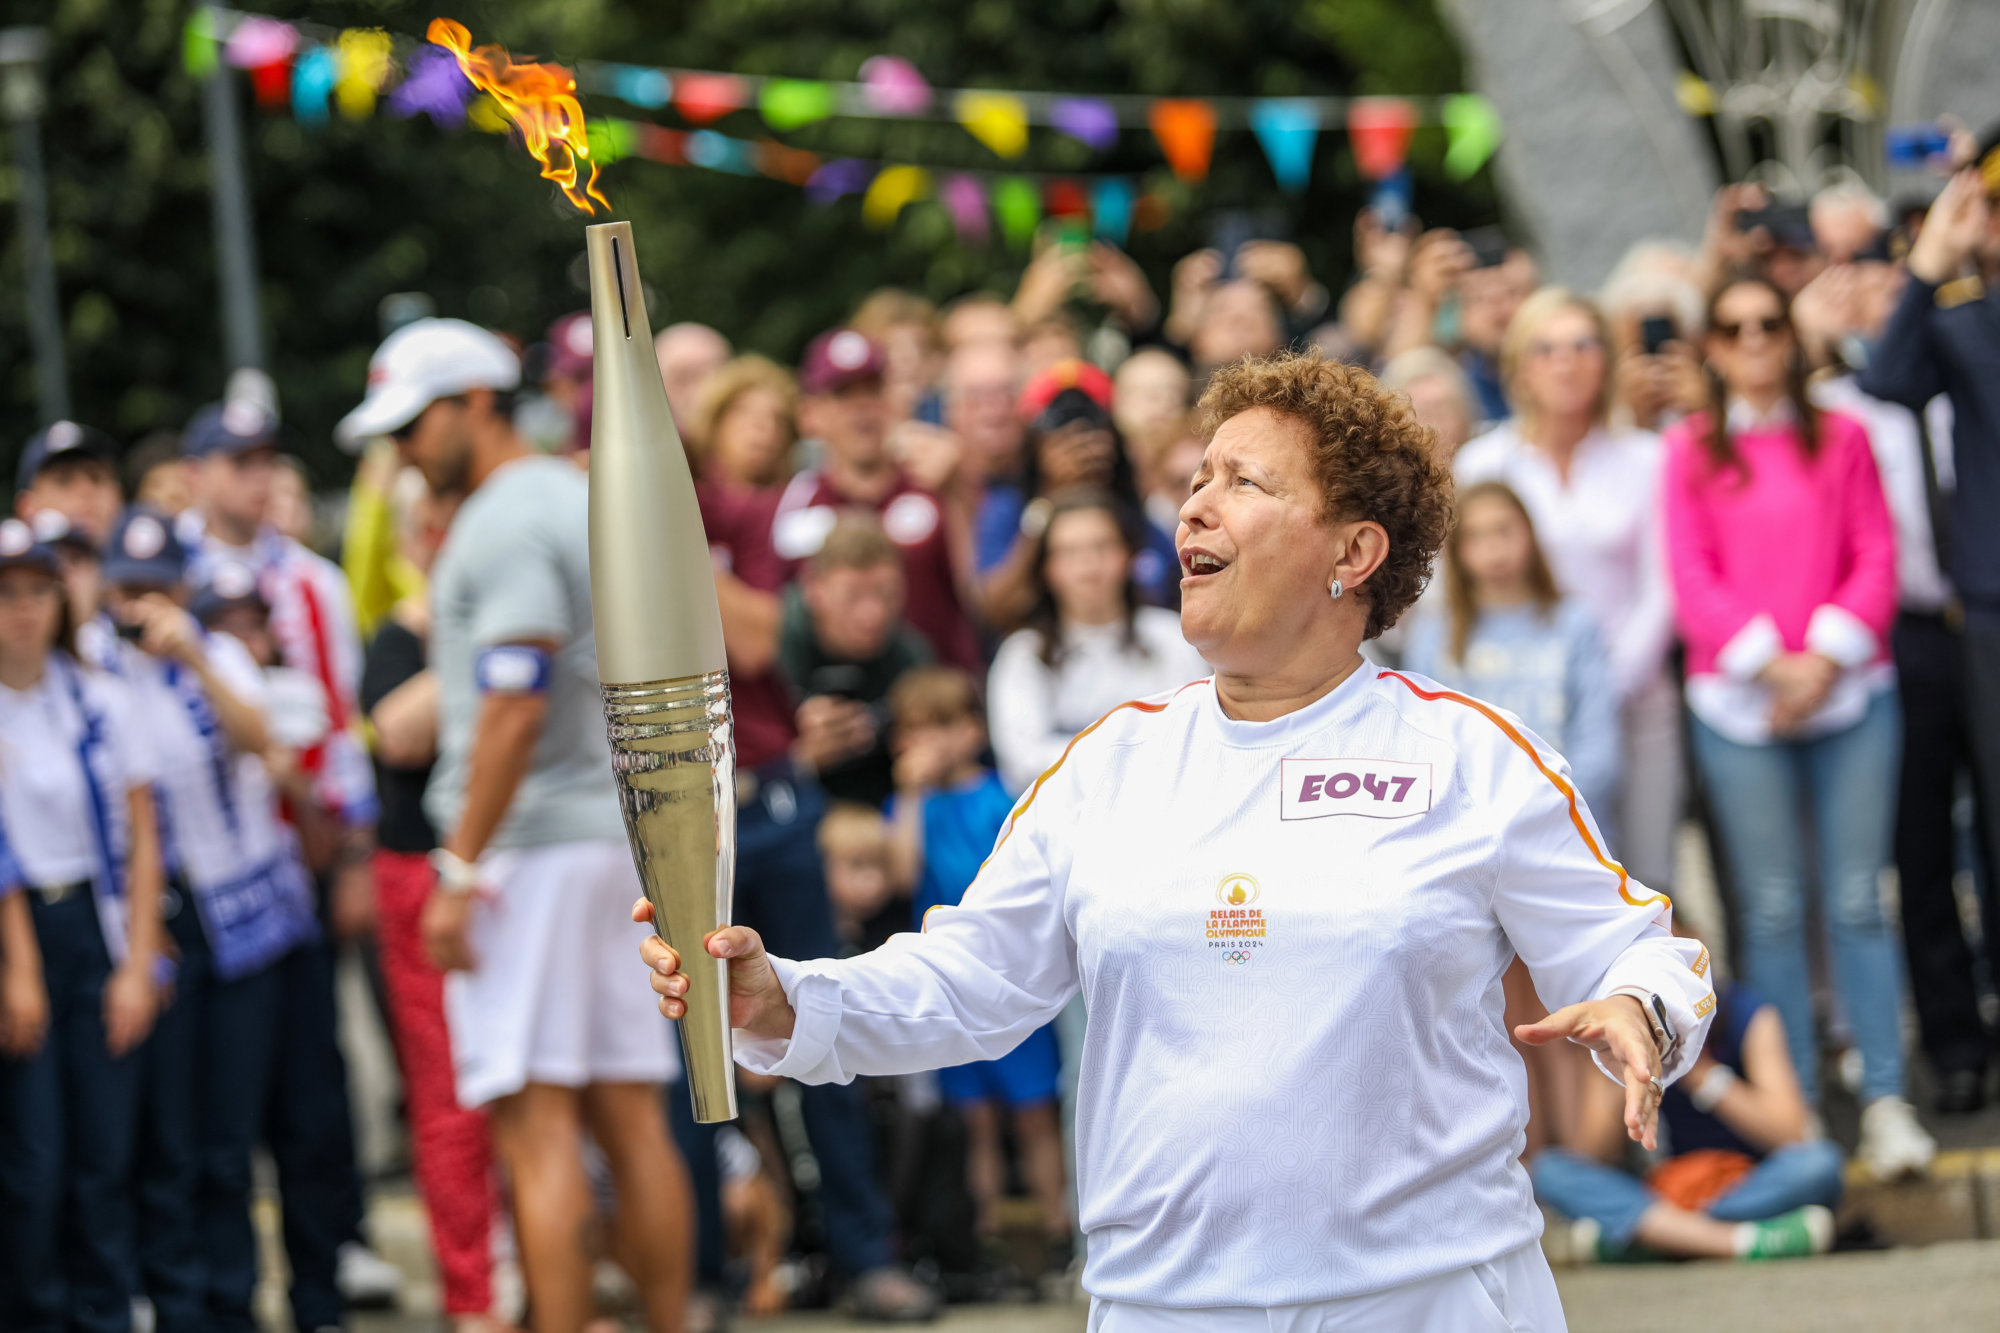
{"x": 660, "y": 660}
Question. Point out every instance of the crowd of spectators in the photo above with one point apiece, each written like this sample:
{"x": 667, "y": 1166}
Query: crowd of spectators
{"x": 1722, "y": 544}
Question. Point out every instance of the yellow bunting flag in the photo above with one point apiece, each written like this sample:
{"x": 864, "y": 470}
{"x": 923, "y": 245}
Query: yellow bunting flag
{"x": 998, "y": 120}
{"x": 892, "y": 189}
{"x": 364, "y": 64}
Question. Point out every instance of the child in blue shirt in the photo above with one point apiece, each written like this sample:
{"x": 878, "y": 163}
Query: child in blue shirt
{"x": 1508, "y": 638}
{"x": 943, "y": 822}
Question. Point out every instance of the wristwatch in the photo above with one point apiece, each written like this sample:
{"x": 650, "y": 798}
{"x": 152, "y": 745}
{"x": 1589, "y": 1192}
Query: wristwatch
{"x": 1665, "y": 1039}
{"x": 455, "y": 875}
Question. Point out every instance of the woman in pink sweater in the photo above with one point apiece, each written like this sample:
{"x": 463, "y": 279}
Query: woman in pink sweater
{"x": 1783, "y": 560}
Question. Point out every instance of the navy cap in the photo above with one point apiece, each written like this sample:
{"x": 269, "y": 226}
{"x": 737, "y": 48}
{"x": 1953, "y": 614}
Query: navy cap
{"x": 230, "y": 428}
{"x": 143, "y": 551}
{"x": 52, "y": 527}
{"x": 231, "y": 584}
{"x": 65, "y": 439}
{"x": 18, "y": 548}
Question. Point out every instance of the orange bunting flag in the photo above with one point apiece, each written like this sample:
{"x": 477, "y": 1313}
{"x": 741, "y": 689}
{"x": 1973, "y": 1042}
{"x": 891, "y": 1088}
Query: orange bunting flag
{"x": 1380, "y": 130}
{"x": 1185, "y": 128}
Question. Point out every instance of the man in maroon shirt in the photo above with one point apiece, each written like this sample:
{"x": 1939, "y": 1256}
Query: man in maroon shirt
{"x": 841, "y": 405}
{"x": 781, "y": 890}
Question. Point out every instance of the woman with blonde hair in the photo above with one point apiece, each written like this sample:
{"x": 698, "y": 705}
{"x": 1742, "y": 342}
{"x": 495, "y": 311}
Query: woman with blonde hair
{"x": 744, "y": 429}
{"x": 1592, "y": 491}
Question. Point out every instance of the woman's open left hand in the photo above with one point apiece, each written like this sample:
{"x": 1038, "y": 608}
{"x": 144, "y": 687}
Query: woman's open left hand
{"x": 1616, "y": 1028}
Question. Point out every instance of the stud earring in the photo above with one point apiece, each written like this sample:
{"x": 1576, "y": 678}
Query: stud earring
{"x": 1335, "y": 590}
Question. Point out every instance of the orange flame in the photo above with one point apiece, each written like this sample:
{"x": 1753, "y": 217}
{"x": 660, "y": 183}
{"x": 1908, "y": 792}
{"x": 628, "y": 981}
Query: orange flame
{"x": 539, "y": 98}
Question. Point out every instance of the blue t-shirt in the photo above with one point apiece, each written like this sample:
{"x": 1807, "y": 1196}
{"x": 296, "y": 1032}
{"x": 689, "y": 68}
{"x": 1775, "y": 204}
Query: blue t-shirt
{"x": 961, "y": 824}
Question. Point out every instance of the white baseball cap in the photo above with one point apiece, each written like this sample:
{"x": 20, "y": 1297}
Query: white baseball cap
{"x": 418, "y": 364}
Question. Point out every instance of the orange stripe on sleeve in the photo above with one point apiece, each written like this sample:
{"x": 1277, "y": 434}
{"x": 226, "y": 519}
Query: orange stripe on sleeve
{"x": 1569, "y": 793}
{"x": 1021, "y": 808}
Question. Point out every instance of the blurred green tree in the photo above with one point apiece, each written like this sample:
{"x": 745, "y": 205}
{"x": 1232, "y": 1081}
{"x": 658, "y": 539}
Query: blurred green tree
{"x": 352, "y": 212}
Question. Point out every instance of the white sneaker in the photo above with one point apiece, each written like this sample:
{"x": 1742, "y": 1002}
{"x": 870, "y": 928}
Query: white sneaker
{"x": 1893, "y": 1144}
{"x": 365, "y": 1278}
{"x": 1585, "y": 1241}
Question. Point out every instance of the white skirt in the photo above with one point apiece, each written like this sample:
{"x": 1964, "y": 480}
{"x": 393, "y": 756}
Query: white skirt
{"x": 1514, "y": 1293}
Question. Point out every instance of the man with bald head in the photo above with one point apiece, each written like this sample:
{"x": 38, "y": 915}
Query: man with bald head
{"x": 688, "y": 353}
{"x": 981, "y": 381}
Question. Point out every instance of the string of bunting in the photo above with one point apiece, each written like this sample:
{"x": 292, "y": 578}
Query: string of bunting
{"x": 315, "y": 71}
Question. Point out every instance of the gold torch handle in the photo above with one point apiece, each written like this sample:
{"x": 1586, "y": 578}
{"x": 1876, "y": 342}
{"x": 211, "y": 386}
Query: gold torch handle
{"x": 674, "y": 755}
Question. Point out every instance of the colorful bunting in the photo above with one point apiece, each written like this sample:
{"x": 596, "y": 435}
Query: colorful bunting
{"x": 1111, "y": 206}
{"x": 1064, "y": 198}
{"x": 894, "y": 88}
{"x": 1287, "y": 128}
{"x": 313, "y": 79}
{"x": 364, "y": 65}
{"x": 965, "y": 199}
{"x": 199, "y": 49}
{"x": 998, "y": 120}
{"x": 1088, "y": 120}
{"x": 841, "y": 176}
{"x": 1185, "y": 128}
{"x": 638, "y": 84}
{"x": 1472, "y": 131}
{"x": 893, "y": 189}
{"x": 790, "y": 104}
{"x": 1380, "y": 130}
{"x": 258, "y": 41}
{"x": 719, "y": 152}
{"x": 1019, "y": 206}
{"x": 434, "y": 86}
{"x": 703, "y": 98}
{"x": 610, "y": 139}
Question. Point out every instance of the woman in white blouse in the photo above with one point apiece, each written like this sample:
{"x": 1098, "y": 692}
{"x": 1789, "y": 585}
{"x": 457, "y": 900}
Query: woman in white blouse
{"x": 1089, "y": 644}
{"x": 1287, "y": 895}
{"x": 1593, "y": 493}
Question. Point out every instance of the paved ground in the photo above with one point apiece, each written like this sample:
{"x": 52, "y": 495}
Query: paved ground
{"x": 1952, "y": 1287}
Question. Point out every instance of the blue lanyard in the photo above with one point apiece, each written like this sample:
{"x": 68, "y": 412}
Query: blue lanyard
{"x": 11, "y": 875}
{"x": 88, "y": 742}
{"x": 203, "y": 712}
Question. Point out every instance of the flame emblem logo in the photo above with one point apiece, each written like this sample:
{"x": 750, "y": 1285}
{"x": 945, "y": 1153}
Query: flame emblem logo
{"x": 1237, "y": 890}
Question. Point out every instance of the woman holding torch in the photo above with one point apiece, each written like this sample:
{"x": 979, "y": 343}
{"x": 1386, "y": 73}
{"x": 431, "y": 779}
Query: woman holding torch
{"x": 1287, "y": 894}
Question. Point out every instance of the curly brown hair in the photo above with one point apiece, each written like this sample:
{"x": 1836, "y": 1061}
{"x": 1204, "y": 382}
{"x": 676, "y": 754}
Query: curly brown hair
{"x": 1374, "y": 460}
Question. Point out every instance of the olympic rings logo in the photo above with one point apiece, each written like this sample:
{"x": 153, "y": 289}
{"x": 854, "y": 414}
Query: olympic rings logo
{"x": 1236, "y": 957}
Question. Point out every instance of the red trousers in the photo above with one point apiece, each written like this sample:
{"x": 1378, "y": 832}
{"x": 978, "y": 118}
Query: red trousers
{"x": 452, "y": 1150}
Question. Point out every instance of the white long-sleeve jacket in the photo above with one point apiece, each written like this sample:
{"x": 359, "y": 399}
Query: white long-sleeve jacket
{"x": 1290, "y": 936}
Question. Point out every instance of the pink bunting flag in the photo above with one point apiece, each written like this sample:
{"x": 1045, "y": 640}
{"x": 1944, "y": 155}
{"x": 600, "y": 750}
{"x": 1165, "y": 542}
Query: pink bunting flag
{"x": 965, "y": 199}
{"x": 894, "y": 88}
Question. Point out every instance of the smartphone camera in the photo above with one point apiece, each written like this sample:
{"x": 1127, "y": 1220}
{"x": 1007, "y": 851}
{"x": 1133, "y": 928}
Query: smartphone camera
{"x": 1655, "y": 332}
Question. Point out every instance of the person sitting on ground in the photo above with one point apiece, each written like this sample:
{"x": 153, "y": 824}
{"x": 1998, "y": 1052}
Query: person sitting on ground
{"x": 1088, "y": 646}
{"x": 844, "y": 643}
{"x": 854, "y": 847}
{"x": 947, "y": 814}
{"x": 1744, "y": 1178}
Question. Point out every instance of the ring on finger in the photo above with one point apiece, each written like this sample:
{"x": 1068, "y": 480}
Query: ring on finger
{"x": 1659, "y": 1088}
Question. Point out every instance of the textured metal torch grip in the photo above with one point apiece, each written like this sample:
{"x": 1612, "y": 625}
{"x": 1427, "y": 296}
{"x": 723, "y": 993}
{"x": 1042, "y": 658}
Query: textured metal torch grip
{"x": 673, "y": 751}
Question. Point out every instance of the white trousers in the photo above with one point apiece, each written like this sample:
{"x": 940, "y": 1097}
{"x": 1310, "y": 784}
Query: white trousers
{"x": 559, "y": 994}
{"x": 1514, "y": 1293}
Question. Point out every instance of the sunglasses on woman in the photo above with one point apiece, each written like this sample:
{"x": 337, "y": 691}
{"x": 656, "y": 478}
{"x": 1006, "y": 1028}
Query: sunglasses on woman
{"x": 1769, "y": 326}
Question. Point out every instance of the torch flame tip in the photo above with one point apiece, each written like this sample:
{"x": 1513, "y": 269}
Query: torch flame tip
{"x": 540, "y": 100}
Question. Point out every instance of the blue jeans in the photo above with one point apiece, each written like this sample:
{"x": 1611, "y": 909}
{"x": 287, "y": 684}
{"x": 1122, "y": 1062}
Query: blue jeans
{"x": 207, "y": 1079}
{"x": 1791, "y": 1177}
{"x": 67, "y": 1120}
{"x": 781, "y": 894}
{"x": 1850, "y": 779}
